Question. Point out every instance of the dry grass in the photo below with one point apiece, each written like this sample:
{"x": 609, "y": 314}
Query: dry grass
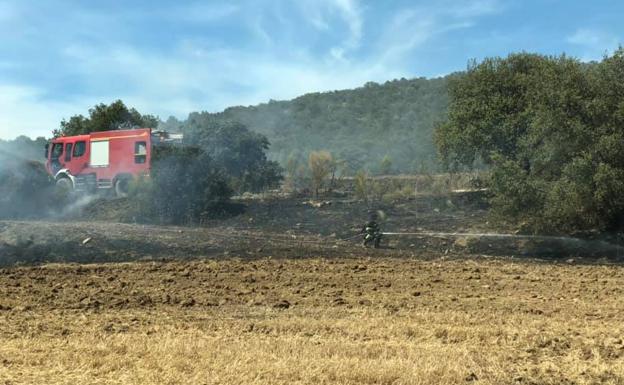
{"x": 349, "y": 321}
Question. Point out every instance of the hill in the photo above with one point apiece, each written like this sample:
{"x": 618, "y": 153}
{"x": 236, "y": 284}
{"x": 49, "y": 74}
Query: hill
{"x": 360, "y": 126}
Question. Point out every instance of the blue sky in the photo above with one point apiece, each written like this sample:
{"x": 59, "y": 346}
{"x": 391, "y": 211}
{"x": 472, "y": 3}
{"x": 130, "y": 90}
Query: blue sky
{"x": 58, "y": 58}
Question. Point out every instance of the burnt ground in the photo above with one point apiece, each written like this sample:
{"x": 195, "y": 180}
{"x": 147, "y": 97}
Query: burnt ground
{"x": 285, "y": 227}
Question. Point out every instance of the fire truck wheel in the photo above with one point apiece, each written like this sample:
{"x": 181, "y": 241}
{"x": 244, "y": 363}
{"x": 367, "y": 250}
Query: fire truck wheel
{"x": 122, "y": 187}
{"x": 64, "y": 185}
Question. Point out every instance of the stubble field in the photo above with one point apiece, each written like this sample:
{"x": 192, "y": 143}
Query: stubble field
{"x": 351, "y": 320}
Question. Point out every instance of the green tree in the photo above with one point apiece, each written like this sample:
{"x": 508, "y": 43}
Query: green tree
{"x": 241, "y": 153}
{"x": 552, "y": 131}
{"x": 104, "y": 117}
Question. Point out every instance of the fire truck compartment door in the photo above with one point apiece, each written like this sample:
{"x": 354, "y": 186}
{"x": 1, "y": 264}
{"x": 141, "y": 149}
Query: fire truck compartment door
{"x": 99, "y": 153}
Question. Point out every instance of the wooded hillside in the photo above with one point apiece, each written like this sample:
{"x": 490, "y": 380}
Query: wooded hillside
{"x": 359, "y": 126}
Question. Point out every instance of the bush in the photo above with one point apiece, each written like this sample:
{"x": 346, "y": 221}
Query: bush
{"x": 320, "y": 164}
{"x": 185, "y": 187}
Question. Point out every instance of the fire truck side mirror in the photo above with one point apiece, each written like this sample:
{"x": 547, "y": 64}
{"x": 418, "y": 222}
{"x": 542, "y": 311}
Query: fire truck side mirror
{"x": 47, "y": 150}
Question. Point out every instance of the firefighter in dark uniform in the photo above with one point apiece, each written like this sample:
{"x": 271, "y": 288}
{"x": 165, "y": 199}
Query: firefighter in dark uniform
{"x": 372, "y": 231}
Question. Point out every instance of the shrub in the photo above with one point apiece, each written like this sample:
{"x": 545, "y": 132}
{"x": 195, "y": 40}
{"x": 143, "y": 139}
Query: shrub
{"x": 362, "y": 186}
{"x": 320, "y": 164}
{"x": 184, "y": 187}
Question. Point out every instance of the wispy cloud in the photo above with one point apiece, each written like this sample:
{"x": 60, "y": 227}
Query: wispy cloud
{"x": 351, "y": 12}
{"x": 594, "y": 42}
{"x": 330, "y": 15}
{"x": 23, "y": 112}
{"x": 200, "y": 78}
{"x": 412, "y": 27}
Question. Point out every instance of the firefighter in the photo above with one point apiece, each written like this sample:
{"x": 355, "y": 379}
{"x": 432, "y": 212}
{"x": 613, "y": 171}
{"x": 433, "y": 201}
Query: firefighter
{"x": 372, "y": 231}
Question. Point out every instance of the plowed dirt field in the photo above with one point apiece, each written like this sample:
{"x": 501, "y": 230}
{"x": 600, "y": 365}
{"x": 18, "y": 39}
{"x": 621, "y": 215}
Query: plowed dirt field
{"x": 348, "y": 320}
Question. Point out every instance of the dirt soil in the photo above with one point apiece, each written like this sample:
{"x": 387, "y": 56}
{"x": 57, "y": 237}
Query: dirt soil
{"x": 357, "y": 320}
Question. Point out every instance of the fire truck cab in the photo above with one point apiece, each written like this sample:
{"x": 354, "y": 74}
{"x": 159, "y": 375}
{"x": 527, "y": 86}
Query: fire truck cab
{"x": 100, "y": 160}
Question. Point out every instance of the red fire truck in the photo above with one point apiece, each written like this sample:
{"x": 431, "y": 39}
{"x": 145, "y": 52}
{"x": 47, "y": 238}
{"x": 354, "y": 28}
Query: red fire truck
{"x": 101, "y": 160}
